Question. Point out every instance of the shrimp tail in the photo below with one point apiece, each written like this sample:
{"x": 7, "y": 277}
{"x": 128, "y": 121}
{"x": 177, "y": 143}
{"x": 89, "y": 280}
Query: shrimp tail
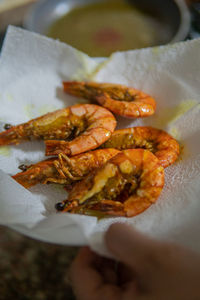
{"x": 78, "y": 89}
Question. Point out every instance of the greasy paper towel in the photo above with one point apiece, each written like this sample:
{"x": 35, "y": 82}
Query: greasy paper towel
{"x": 31, "y": 72}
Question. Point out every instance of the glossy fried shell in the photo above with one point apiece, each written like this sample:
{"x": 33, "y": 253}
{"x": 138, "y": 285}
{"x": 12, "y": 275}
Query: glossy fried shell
{"x": 119, "y": 99}
{"x": 126, "y": 185}
{"x": 159, "y": 142}
{"x": 80, "y": 127}
{"x": 64, "y": 169}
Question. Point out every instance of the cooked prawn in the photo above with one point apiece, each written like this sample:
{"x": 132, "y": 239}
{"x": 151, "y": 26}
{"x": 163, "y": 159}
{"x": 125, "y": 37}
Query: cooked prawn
{"x": 85, "y": 126}
{"x": 64, "y": 170}
{"x": 125, "y": 186}
{"x": 121, "y": 100}
{"x": 159, "y": 142}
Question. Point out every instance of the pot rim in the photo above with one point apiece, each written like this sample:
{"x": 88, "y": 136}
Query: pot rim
{"x": 185, "y": 21}
{"x": 182, "y": 32}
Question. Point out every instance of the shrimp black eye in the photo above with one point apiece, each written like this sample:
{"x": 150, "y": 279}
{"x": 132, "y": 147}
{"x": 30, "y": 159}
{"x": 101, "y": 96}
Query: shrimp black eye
{"x": 23, "y": 167}
{"x": 7, "y": 126}
{"x": 59, "y": 206}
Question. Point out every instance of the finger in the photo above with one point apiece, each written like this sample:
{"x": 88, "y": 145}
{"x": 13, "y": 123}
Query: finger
{"x": 108, "y": 292}
{"x": 87, "y": 281}
{"x": 125, "y": 274}
{"x": 130, "y": 291}
{"x": 84, "y": 278}
{"x": 107, "y": 269}
{"x": 133, "y": 248}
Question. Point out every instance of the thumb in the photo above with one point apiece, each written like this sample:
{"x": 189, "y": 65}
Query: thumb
{"x": 133, "y": 248}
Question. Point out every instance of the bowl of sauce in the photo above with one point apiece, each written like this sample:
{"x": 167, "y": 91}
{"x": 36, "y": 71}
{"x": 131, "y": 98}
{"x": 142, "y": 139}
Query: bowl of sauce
{"x": 101, "y": 27}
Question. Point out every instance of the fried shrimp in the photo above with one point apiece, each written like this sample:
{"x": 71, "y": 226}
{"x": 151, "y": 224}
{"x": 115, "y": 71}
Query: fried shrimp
{"x": 159, "y": 142}
{"x": 125, "y": 186}
{"x": 97, "y": 125}
{"x": 84, "y": 126}
{"x": 121, "y": 100}
{"x": 64, "y": 170}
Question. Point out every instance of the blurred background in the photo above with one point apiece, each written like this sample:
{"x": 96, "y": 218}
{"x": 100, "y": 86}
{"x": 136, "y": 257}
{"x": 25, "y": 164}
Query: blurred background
{"x": 100, "y": 27}
{"x": 35, "y": 270}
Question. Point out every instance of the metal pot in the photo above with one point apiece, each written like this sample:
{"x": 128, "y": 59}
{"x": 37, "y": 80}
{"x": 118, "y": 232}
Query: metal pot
{"x": 174, "y": 13}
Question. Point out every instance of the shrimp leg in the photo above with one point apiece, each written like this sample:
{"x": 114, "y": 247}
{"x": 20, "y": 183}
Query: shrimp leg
{"x": 121, "y": 100}
{"x": 64, "y": 170}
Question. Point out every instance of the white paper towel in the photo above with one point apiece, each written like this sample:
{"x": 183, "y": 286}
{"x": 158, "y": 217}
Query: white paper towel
{"x": 31, "y": 72}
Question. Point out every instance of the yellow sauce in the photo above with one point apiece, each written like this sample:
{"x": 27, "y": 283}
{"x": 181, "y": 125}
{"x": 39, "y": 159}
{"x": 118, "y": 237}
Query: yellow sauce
{"x": 5, "y": 151}
{"x": 126, "y": 167}
{"x": 173, "y": 114}
{"x": 175, "y": 133}
{"x": 100, "y": 181}
{"x": 9, "y": 97}
{"x": 29, "y": 110}
{"x": 113, "y": 25}
{"x": 46, "y": 108}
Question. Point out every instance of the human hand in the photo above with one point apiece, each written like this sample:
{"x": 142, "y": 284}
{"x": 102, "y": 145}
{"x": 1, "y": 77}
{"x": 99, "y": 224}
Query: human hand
{"x": 148, "y": 270}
